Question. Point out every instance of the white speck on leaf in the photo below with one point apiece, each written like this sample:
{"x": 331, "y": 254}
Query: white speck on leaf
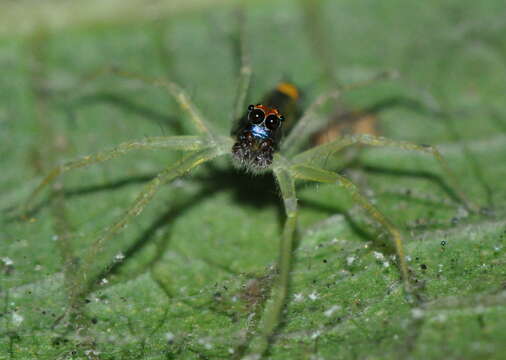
{"x": 440, "y": 318}
{"x": 350, "y": 260}
{"x": 378, "y": 255}
{"x": 119, "y": 257}
{"x": 313, "y": 296}
{"x": 332, "y": 310}
{"x": 298, "y": 297}
{"x": 316, "y": 334}
{"x": 169, "y": 336}
{"x": 91, "y": 353}
{"x": 417, "y": 313}
{"x": 17, "y": 319}
{"x": 7, "y": 261}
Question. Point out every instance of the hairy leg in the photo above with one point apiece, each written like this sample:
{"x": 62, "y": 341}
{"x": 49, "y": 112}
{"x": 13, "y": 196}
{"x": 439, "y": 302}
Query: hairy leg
{"x": 326, "y": 150}
{"x": 187, "y": 163}
{"x": 245, "y": 66}
{"x": 276, "y": 303}
{"x": 306, "y": 125}
{"x": 174, "y": 90}
{"x": 186, "y": 143}
{"x": 307, "y": 172}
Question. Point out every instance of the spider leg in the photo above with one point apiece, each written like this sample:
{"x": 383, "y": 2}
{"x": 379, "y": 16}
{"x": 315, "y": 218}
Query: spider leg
{"x": 276, "y": 303}
{"x": 306, "y": 172}
{"x": 245, "y": 67}
{"x": 306, "y": 125}
{"x": 174, "y": 90}
{"x": 303, "y": 126}
{"x": 326, "y": 150}
{"x": 188, "y": 162}
{"x": 187, "y": 143}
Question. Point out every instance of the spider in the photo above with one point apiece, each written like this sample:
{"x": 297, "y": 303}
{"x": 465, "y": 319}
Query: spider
{"x": 265, "y": 139}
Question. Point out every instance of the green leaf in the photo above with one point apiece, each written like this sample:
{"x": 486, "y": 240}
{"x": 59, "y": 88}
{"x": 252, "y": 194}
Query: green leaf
{"x": 189, "y": 276}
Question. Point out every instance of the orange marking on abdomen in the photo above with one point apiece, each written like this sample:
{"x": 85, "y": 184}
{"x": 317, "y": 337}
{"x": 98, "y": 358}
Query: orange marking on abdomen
{"x": 289, "y": 90}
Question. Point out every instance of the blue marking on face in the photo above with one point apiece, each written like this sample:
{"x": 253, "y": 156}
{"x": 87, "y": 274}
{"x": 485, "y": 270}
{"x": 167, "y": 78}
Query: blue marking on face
{"x": 260, "y": 132}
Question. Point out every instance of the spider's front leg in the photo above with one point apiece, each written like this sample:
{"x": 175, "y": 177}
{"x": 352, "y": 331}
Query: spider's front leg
{"x": 273, "y": 310}
{"x": 310, "y": 173}
{"x": 185, "y": 143}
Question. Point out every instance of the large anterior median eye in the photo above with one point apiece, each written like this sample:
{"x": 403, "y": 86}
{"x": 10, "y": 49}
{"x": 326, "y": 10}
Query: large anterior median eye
{"x": 272, "y": 122}
{"x": 256, "y": 116}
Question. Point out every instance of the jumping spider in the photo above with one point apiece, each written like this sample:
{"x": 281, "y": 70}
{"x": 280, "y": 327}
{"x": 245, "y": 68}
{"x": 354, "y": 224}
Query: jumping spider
{"x": 260, "y": 142}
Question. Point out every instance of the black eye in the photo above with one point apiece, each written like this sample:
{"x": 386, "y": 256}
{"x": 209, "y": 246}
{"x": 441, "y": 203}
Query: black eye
{"x": 272, "y": 122}
{"x": 256, "y": 116}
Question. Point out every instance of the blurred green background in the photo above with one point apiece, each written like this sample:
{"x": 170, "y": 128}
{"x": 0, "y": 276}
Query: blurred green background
{"x": 189, "y": 277}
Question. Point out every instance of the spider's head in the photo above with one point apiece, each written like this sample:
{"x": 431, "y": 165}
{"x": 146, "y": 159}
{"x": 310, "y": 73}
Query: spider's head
{"x": 258, "y": 138}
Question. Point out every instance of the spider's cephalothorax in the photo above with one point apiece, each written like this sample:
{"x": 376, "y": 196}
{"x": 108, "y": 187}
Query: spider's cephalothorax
{"x": 259, "y": 132}
{"x": 258, "y": 138}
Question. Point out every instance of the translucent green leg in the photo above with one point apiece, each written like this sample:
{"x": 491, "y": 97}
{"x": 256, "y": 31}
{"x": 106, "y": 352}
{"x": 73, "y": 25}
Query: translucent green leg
{"x": 306, "y": 172}
{"x": 307, "y": 124}
{"x": 174, "y": 90}
{"x": 188, "y": 143}
{"x": 180, "y": 168}
{"x": 276, "y": 303}
{"x": 245, "y": 70}
{"x": 325, "y": 150}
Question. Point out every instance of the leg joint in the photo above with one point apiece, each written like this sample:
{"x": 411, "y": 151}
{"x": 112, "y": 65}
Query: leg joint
{"x": 291, "y": 207}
